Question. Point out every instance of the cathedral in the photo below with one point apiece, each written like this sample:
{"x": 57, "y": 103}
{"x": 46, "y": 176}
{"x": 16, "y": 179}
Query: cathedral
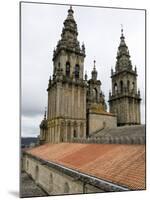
{"x": 82, "y": 147}
{"x": 76, "y": 105}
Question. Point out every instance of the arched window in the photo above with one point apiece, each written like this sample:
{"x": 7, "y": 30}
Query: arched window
{"x": 36, "y": 174}
{"x": 128, "y": 85}
{"x": 74, "y": 133}
{"x": 115, "y": 88}
{"x": 66, "y": 188}
{"x": 67, "y": 69}
{"x": 51, "y": 182}
{"x": 95, "y": 94}
{"x": 133, "y": 85}
{"x": 121, "y": 86}
{"x": 77, "y": 69}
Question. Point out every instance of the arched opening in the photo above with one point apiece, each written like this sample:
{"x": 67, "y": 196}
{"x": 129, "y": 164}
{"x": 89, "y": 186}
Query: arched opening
{"x": 66, "y": 188}
{"x": 115, "y": 88}
{"x": 133, "y": 85}
{"x": 36, "y": 174}
{"x": 67, "y": 69}
{"x": 74, "y": 133}
{"x": 95, "y": 94}
{"x": 77, "y": 69}
{"x": 128, "y": 85}
{"x": 51, "y": 182}
{"x": 121, "y": 86}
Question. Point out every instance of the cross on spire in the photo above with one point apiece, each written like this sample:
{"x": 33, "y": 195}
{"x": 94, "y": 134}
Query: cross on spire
{"x": 94, "y": 64}
{"x": 121, "y": 30}
{"x": 70, "y": 11}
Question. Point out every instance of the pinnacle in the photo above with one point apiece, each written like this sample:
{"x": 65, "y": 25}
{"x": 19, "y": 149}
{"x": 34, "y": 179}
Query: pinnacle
{"x": 70, "y": 12}
{"x": 45, "y": 113}
{"x": 94, "y": 65}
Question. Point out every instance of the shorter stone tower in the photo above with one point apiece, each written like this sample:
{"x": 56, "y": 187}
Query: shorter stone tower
{"x": 95, "y": 97}
{"x": 97, "y": 116}
{"x": 124, "y": 100}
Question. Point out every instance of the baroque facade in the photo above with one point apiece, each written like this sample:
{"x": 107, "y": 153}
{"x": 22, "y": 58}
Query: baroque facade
{"x": 76, "y": 105}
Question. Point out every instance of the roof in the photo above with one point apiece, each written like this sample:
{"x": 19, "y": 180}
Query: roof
{"x": 134, "y": 130}
{"x": 121, "y": 164}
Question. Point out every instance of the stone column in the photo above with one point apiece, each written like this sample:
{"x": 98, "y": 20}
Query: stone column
{"x": 50, "y": 135}
{"x": 65, "y": 131}
{"x": 79, "y": 103}
{"x": 139, "y": 113}
{"x": 62, "y": 102}
{"x": 72, "y": 102}
{"x": 58, "y": 100}
{"x": 78, "y": 130}
{"x": 84, "y": 130}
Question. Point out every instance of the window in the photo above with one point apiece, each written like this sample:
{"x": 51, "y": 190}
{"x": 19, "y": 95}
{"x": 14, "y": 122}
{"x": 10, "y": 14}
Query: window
{"x": 115, "y": 88}
{"x": 67, "y": 69}
{"x": 51, "y": 182}
{"x": 128, "y": 85}
{"x": 66, "y": 188}
{"x": 121, "y": 86}
{"x": 133, "y": 85}
{"x": 77, "y": 69}
{"x": 74, "y": 133}
{"x": 36, "y": 174}
{"x": 95, "y": 94}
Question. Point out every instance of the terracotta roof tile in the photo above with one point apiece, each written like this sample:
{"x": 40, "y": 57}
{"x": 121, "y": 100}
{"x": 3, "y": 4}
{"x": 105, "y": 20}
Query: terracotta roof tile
{"x": 119, "y": 163}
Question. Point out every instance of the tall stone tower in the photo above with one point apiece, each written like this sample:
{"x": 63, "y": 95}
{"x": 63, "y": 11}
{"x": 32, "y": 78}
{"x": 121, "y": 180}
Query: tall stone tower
{"x": 124, "y": 100}
{"x": 66, "y": 114}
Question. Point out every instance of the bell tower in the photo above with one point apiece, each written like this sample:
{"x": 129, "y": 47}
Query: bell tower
{"x": 124, "y": 100}
{"x": 66, "y": 114}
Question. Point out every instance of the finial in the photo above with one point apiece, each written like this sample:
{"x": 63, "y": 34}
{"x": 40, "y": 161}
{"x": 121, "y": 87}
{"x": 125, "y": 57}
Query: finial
{"x": 86, "y": 76}
{"x": 122, "y": 30}
{"x": 109, "y": 93}
{"x": 70, "y": 9}
{"x": 111, "y": 70}
{"x": 45, "y": 113}
{"x": 94, "y": 64}
{"x": 135, "y": 69}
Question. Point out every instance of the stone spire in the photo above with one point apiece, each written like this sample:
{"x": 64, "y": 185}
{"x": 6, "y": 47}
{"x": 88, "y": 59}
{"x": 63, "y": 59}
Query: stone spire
{"x": 123, "y": 56}
{"x": 69, "y": 35}
{"x": 94, "y": 72}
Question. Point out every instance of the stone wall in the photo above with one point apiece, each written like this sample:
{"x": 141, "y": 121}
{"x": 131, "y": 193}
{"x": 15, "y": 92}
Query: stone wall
{"x": 99, "y": 121}
{"x": 111, "y": 140}
{"x": 55, "y": 182}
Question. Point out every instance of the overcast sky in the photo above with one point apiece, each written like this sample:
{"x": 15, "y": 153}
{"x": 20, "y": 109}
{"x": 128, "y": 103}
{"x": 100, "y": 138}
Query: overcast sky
{"x": 98, "y": 28}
